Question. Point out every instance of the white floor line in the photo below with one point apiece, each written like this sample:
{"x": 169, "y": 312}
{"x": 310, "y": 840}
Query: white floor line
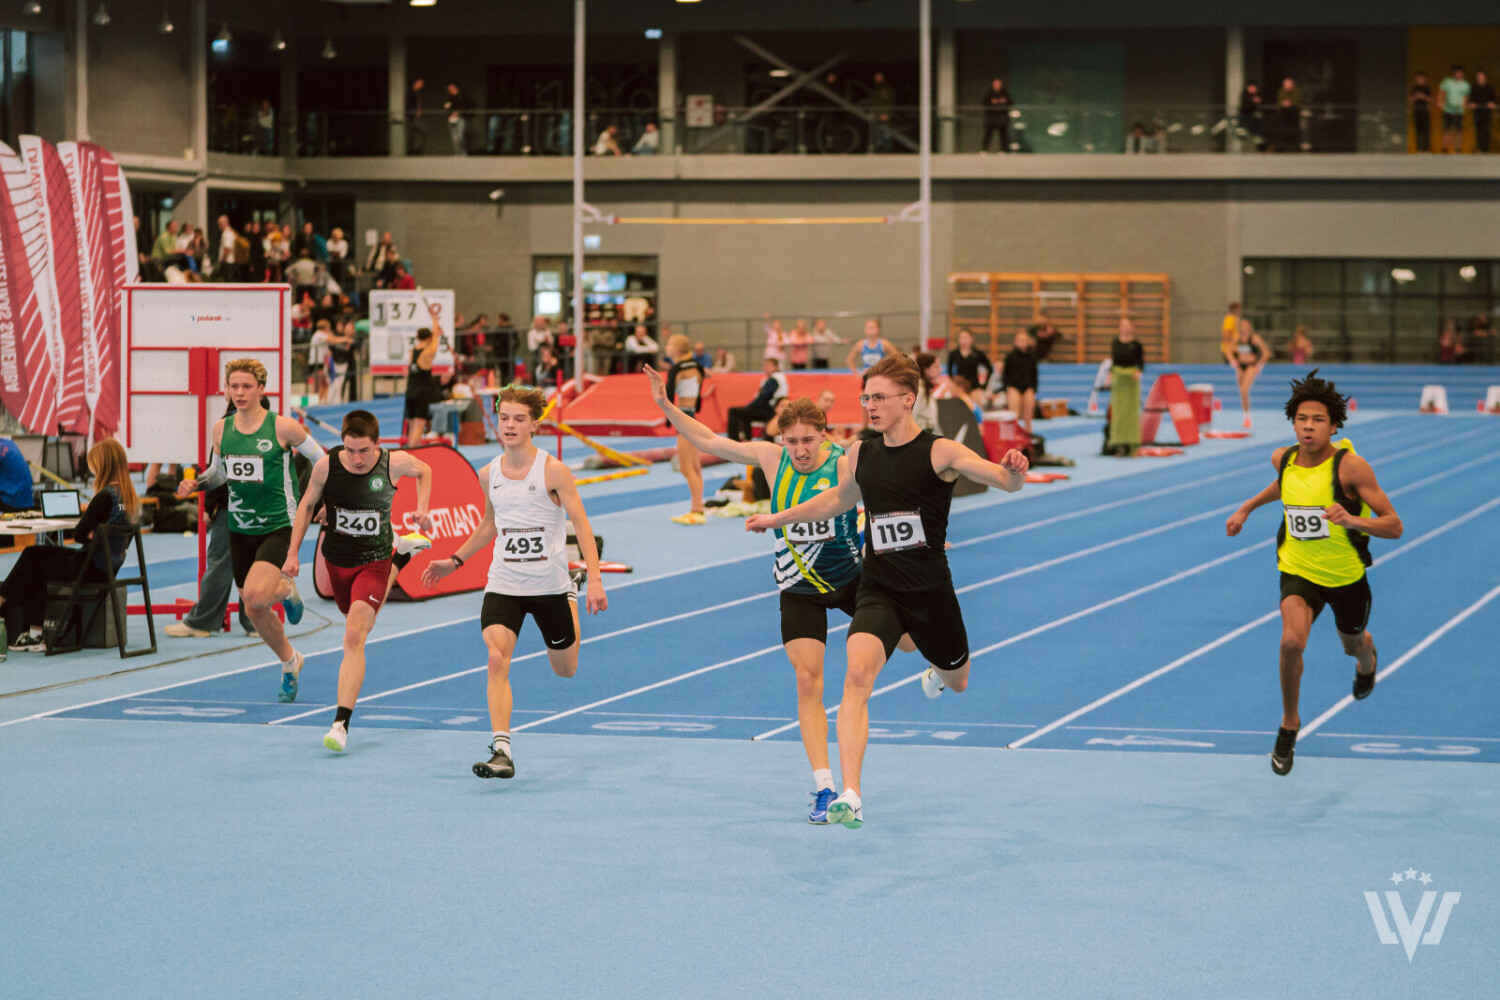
{"x": 365, "y": 699}
{"x": 1405, "y": 658}
{"x": 1241, "y": 630}
{"x": 1398, "y": 736}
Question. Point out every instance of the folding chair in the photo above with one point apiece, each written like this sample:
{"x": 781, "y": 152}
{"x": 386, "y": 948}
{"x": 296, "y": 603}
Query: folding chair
{"x": 86, "y": 600}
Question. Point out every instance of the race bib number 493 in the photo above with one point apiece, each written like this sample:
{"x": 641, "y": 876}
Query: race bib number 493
{"x": 1306, "y": 523}
{"x": 245, "y": 468}
{"x": 523, "y": 544}
{"x": 896, "y": 531}
{"x": 356, "y": 522}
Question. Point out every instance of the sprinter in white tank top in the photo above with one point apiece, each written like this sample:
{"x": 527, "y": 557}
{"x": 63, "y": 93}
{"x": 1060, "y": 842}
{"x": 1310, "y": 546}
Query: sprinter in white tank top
{"x": 529, "y": 501}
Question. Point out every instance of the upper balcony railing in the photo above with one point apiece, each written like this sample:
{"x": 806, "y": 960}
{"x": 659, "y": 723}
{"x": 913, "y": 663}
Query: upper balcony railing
{"x": 826, "y": 130}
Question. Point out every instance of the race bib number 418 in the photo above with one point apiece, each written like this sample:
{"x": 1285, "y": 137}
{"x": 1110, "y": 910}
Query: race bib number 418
{"x": 803, "y": 532}
{"x": 896, "y": 531}
{"x": 1306, "y": 523}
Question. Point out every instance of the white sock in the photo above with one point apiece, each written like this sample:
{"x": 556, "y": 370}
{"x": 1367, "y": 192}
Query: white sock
{"x": 501, "y": 741}
{"x": 852, "y": 797}
{"x": 288, "y": 666}
{"x": 823, "y": 778}
{"x": 35, "y": 632}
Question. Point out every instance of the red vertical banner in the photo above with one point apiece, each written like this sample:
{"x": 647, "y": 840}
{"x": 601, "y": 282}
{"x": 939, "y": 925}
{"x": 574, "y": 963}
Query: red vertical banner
{"x": 113, "y": 256}
{"x": 28, "y": 387}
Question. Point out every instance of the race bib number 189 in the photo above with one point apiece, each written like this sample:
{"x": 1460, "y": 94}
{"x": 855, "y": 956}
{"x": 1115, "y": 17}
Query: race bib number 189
{"x": 245, "y": 468}
{"x": 523, "y": 544}
{"x": 896, "y": 531}
{"x": 1306, "y": 523}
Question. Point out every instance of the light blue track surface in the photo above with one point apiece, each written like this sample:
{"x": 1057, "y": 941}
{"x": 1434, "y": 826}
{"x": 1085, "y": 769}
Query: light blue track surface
{"x": 162, "y": 840}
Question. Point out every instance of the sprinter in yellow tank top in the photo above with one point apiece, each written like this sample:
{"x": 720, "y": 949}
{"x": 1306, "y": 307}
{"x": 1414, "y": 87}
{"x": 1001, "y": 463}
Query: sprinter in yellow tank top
{"x": 1331, "y": 505}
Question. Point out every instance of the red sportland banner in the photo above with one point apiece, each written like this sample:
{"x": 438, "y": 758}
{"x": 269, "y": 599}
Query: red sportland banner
{"x": 111, "y": 256}
{"x": 39, "y": 393}
{"x": 72, "y": 352}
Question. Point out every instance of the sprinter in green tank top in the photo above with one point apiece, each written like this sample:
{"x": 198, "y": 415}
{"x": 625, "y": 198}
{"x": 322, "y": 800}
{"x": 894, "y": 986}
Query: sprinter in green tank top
{"x": 252, "y": 453}
{"x": 1328, "y": 496}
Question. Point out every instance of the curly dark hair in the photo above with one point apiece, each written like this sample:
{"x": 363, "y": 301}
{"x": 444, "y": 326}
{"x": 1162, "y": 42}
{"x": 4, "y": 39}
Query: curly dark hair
{"x": 1317, "y": 390}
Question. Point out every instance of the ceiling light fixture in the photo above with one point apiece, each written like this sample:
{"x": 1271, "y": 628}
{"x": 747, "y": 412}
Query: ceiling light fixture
{"x": 224, "y": 35}
{"x": 424, "y": 3}
{"x": 101, "y": 16}
{"x": 32, "y": 8}
{"x": 166, "y": 27}
{"x": 329, "y": 52}
{"x": 278, "y": 41}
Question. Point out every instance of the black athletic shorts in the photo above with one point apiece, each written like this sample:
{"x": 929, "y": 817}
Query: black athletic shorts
{"x": 1350, "y": 603}
{"x": 805, "y": 616}
{"x": 417, "y": 409}
{"x": 247, "y": 550}
{"x": 553, "y": 614}
{"x": 932, "y": 618}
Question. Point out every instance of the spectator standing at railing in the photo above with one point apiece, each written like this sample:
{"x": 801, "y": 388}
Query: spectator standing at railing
{"x": 338, "y": 254}
{"x": 799, "y": 343}
{"x": 1450, "y": 347}
{"x": 1301, "y": 346}
{"x": 649, "y": 144}
{"x": 416, "y": 128}
{"x": 1455, "y": 91}
{"x": 255, "y": 253}
{"x": 302, "y": 275}
{"x": 225, "y": 269}
{"x": 1044, "y": 336}
{"x": 823, "y": 339}
{"x": 379, "y": 252}
{"x": 1481, "y": 339}
{"x": 1252, "y": 111}
{"x": 538, "y": 335}
{"x": 723, "y": 361}
{"x": 640, "y": 349}
{"x": 608, "y": 143}
{"x": 1482, "y": 106}
{"x": 276, "y": 251}
{"x": 882, "y": 103}
{"x": 1420, "y": 99}
{"x": 166, "y": 244}
{"x": 265, "y": 128}
{"x": 997, "y": 105}
{"x": 775, "y": 341}
{"x": 1288, "y": 116}
{"x": 964, "y": 361}
{"x": 458, "y": 107}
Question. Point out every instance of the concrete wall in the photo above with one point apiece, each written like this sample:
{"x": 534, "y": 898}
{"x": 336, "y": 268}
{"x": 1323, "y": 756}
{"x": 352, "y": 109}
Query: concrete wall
{"x": 140, "y": 83}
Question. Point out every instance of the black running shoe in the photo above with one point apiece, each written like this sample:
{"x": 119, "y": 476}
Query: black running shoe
{"x": 1281, "y": 756}
{"x": 498, "y": 766}
{"x": 1365, "y": 683}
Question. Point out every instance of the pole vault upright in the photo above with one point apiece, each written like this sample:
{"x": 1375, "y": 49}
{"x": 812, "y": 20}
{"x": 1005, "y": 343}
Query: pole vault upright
{"x": 924, "y": 184}
{"x": 578, "y": 127}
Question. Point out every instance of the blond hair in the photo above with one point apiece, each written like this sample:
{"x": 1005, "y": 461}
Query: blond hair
{"x": 249, "y": 366}
{"x": 678, "y": 345}
{"x": 530, "y": 397}
{"x": 112, "y": 468}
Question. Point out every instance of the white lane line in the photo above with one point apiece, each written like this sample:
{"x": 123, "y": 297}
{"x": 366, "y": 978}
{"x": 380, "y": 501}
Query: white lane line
{"x": 1405, "y": 658}
{"x": 532, "y": 656}
{"x": 1241, "y": 630}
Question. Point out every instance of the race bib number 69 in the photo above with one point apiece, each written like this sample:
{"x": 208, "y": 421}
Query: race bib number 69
{"x": 896, "y": 531}
{"x": 1306, "y": 523}
{"x": 245, "y": 468}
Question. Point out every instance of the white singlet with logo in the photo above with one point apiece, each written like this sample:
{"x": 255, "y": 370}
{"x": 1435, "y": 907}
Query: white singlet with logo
{"x": 531, "y": 534}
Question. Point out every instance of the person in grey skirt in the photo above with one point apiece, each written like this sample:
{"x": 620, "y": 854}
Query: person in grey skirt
{"x": 207, "y": 616}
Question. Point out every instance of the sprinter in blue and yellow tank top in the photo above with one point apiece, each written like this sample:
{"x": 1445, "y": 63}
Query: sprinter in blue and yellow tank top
{"x": 1331, "y": 505}
{"x": 817, "y": 565}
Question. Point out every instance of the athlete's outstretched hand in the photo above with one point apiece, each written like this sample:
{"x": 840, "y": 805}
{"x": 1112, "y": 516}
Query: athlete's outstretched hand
{"x": 436, "y": 570}
{"x": 291, "y": 567}
{"x": 658, "y": 387}
{"x": 1015, "y": 461}
{"x": 760, "y": 522}
{"x": 1235, "y": 523}
{"x": 597, "y": 599}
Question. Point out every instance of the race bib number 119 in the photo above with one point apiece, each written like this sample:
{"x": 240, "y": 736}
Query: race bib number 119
{"x": 896, "y": 531}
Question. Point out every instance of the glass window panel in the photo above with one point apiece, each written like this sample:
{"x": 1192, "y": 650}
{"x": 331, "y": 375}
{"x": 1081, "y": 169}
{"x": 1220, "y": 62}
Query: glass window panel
{"x": 1417, "y": 325}
{"x": 1318, "y": 276}
{"x": 1416, "y": 277}
{"x": 1368, "y": 337}
{"x": 1465, "y": 277}
{"x": 1367, "y": 277}
{"x": 1266, "y": 281}
{"x": 1463, "y": 309}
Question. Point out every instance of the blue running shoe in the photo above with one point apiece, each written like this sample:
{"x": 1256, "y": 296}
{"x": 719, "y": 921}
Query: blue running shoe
{"x": 821, "y": 798}
{"x": 288, "y": 690}
{"x": 293, "y": 606}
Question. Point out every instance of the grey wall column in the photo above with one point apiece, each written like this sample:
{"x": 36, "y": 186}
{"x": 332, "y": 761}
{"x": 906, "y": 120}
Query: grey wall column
{"x": 1234, "y": 81}
{"x": 396, "y": 93}
{"x": 194, "y": 208}
{"x": 666, "y": 91}
{"x": 947, "y": 91}
{"x": 287, "y": 116}
{"x": 78, "y": 127}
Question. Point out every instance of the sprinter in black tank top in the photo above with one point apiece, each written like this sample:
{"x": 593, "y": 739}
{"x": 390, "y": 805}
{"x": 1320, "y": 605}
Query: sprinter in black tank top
{"x": 905, "y": 478}
{"x": 356, "y": 484}
{"x": 421, "y": 385}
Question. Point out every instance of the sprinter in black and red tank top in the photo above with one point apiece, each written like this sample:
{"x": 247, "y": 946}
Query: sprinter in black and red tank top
{"x": 905, "y": 478}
